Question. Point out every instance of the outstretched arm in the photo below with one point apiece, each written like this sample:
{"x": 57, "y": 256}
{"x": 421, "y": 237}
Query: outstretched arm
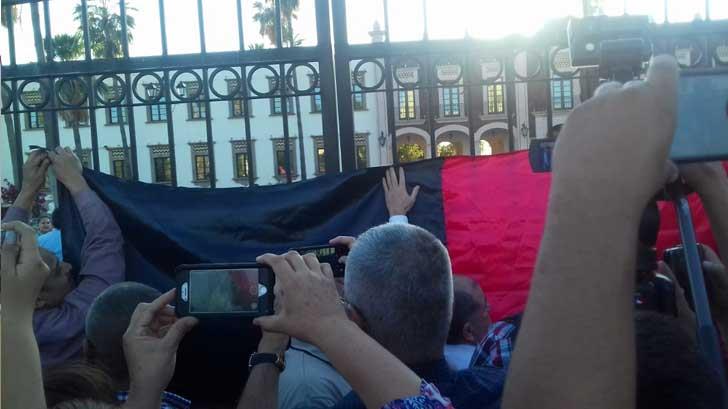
{"x": 576, "y": 347}
{"x": 35, "y": 170}
{"x": 398, "y": 201}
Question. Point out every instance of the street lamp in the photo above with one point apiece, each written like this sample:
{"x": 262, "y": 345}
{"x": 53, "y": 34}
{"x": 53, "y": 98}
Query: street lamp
{"x": 182, "y": 89}
{"x": 151, "y": 91}
{"x": 524, "y": 130}
{"x": 382, "y": 139}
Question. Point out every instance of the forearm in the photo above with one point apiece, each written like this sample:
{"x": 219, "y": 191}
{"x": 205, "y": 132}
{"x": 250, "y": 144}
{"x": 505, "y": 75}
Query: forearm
{"x": 374, "y": 373}
{"x": 22, "y": 383}
{"x": 25, "y": 200}
{"x": 576, "y": 346}
{"x": 261, "y": 390}
{"x": 715, "y": 202}
{"x": 102, "y": 254}
{"x": 143, "y": 399}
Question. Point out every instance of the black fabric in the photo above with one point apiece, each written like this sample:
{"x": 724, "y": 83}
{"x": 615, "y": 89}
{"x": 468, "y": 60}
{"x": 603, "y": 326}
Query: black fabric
{"x": 164, "y": 227}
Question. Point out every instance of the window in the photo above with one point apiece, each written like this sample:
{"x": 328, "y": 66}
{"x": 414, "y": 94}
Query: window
{"x": 86, "y": 158}
{"x": 361, "y": 147}
{"x": 200, "y": 162}
{"x": 162, "y": 170}
{"x": 451, "y": 101}
{"x": 196, "y": 110}
{"x": 118, "y": 163}
{"x": 495, "y": 99}
{"x": 280, "y": 158}
{"x": 114, "y": 113}
{"x": 407, "y": 104}
{"x": 359, "y": 101}
{"x": 561, "y": 96}
{"x": 157, "y": 112}
{"x": 237, "y": 106}
{"x": 315, "y": 99}
{"x": 34, "y": 120}
{"x": 275, "y": 103}
{"x": 241, "y": 160}
{"x": 320, "y": 154}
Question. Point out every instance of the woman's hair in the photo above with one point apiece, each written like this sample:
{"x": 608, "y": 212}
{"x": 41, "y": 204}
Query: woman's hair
{"x": 78, "y": 381}
{"x": 85, "y": 404}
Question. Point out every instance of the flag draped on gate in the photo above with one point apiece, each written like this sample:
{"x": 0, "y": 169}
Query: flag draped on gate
{"x": 489, "y": 212}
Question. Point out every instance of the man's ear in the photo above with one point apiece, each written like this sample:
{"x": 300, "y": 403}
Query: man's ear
{"x": 468, "y": 334}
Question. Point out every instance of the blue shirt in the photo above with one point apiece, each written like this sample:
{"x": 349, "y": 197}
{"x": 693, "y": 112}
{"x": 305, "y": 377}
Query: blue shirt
{"x": 51, "y": 241}
{"x": 477, "y": 388}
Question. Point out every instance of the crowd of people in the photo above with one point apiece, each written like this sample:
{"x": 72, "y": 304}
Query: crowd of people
{"x": 402, "y": 330}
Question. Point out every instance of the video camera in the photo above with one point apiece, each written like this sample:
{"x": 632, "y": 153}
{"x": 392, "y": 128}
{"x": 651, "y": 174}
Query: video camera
{"x": 621, "y": 47}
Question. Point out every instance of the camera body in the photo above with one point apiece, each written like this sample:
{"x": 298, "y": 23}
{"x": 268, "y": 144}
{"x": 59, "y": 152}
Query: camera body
{"x": 327, "y": 254}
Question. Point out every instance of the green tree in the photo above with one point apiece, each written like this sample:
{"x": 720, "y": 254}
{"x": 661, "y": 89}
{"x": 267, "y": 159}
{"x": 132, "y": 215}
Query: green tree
{"x": 446, "y": 149}
{"x": 410, "y": 152}
{"x": 68, "y": 47}
{"x": 265, "y": 15}
{"x": 106, "y": 39}
{"x": 11, "y": 13}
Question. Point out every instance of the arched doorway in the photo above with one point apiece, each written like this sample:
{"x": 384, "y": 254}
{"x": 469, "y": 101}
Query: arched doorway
{"x": 493, "y": 142}
{"x": 411, "y": 147}
{"x": 485, "y": 149}
{"x": 452, "y": 143}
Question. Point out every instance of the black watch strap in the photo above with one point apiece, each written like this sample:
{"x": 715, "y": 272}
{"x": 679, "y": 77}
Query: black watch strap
{"x": 266, "y": 358}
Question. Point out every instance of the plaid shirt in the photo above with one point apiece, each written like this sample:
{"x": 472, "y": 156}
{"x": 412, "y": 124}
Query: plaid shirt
{"x": 169, "y": 400}
{"x": 496, "y": 348}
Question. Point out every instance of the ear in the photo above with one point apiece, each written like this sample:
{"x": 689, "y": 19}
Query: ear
{"x": 468, "y": 334}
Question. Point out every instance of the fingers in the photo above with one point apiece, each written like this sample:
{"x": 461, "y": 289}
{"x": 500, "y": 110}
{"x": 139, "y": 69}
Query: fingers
{"x": 28, "y": 240}
{"x": 347, "y": 241}
{"x": 270, "y": 323}
{"x": 281, "y": 268}
{"x": 312, "y": 262}
{"x": 178, "y": 330}
{"x": 711, "y": 255}
{"x": 327, "y": 271}
{"x": 607, "y": 87}
{"x": 413, "y": 195}
{"x": 391, "y": 178}
{"x": 671, "y": 172}
{"x": 9, "y": 260}
{"x": 36, "y": 157}
{"x": 401, "y": 176}
{"x": 662, "y": 76}
{"x": 145, "y": 313}
{"x": 384, "y": 186}
{"x": 295, "y": 260}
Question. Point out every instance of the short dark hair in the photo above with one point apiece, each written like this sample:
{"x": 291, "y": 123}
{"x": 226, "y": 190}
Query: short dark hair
{"x": 85, "y": 404}
{"x": 671, "y": 371}
{"x": 398, "y": 277}
{"x": 463, "y": 307}
{"x": 77, "y": 380}
{"x": 107, "y": 320}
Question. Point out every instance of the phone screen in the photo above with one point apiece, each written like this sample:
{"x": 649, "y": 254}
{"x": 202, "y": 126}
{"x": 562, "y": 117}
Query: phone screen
{"x": 702, "y": 120}
{"x": 224, "y": 291}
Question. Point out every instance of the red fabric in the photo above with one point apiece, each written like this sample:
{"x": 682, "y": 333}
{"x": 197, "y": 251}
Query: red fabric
{"x": 494, "y": 209}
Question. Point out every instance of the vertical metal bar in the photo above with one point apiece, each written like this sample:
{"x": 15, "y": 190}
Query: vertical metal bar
{"x": 469, "y": 80}
{"x": 18, "y": 135}
{"x": 510, "y": 89}
{"x": 48, "y": 33}
{"x": 343, "y": 87}
{"x": 206, "y": 94}
{"x": 132, "y": 128}
{"x": 389, "y": 90}
{"x": 163, "y": 32}
{"x": 424, "y": 19}
{"x": 432, "y": 93}
{"x": 92, "y": 123}
{"x": 11, "y": 33}
{"x": 664, "y": 4}
{"x": 201, "y": 25}
{"x": 282, "y": 91}
{"x": 707, "y": 10}
{"x": 278, "y": 26}
{"x": 124, "y": 29}
{"x": 170, "y": 126}
{"x": 246, "y": 119}
{"x": 386, "y": 21}
{"x": 327, "y": 84}
{"x": 241, "y": 37}
{"x": 549, "y": 100}
{"x": 84, "y": 28}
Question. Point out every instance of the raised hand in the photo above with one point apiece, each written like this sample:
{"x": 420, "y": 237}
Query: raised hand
{"x": 23, "y": 271}
{"x": 68, "y": 169}
{"x": 399, "y": 202}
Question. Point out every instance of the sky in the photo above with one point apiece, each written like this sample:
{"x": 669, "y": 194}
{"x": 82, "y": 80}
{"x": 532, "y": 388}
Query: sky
{"x": 446, "y": 19}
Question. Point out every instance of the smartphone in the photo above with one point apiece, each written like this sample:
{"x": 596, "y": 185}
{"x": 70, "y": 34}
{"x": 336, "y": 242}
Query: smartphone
{"x": 702, "y": 117}
{"x": 702, "y": 122}
{"x": 327, "y": 254}
{"x": 675, "y": 258}
{"x": 224, "y": 290}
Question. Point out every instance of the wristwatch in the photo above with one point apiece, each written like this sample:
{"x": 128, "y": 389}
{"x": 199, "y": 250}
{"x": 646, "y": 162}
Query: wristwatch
{"x": 277, "y": 359}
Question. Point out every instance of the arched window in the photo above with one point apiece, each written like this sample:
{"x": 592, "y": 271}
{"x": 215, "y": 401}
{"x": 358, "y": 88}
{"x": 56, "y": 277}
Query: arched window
{"x": 485, "y": 148}
{"x": 410, "y": 152}
{"x": 446, "y": 148}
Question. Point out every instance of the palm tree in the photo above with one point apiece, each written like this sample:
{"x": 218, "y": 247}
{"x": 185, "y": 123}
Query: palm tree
{"x": 106, "y": 39}
{"x": 67, "y": 47}
{"x": 265, "y": 15}
{"x": 9, "y": 14}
